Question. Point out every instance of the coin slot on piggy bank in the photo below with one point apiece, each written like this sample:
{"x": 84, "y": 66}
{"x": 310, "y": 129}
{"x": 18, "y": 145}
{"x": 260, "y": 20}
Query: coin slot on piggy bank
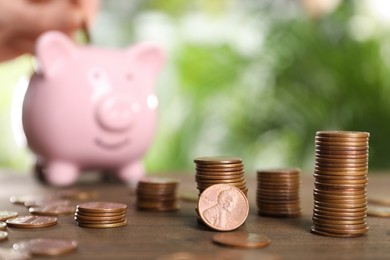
{"x": 90, "y": 108}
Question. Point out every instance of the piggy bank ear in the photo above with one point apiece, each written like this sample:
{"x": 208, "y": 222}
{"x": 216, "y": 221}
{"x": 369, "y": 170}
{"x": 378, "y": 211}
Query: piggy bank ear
{"x": 52, "y": 50}
{"x": 148, "y": 57}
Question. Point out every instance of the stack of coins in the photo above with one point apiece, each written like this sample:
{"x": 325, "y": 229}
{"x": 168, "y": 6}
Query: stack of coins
{"x": 340, "y": 200}
{"x": 101, "y": 215}
{"x": 157, "y": 194}
{"x": 278, "y": 192}
{"x": 220, "y": 170}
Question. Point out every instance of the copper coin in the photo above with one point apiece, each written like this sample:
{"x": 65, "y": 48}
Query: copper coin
{"x": 333, "y": 186}
{"x": 342, "y": 182}
{"x": 215, "y": 181}
{"x": 15, "y": 254}
{"x": 218, "y": 160}
{"x": 47, "y": 247}
{"x": 340, "y": 192}
{"x": 343, "y": 205}
{"x": 91, "y": 218}
{"x": 341, "y": 148}
{"x": 114, "y": 225}
{"x": 235, "y": 171}
{"x": 339, "y": 211}
{"x": 344, "y": 134}
{"x": 340, "y": 160}
{"x": 345, "y": 144}
{"x": 340, "y": 222}
{"x": 319, "y": 196}
{"x": 31, "y": 222}
{"x": 326, "y": 152}
{"x": 217, "y": 177}
{"x": 340, "y": 177}
{"x": 98, "y": 207}
{"x": 343, "y": 231}
{"x": 384, "y": 201}
{"x": 341, "y": 169}
{"x": 22, "y": 199}
{"x": 220, "y": 166}
{"x": 332, "y": 156}
{"x": 342, "y": 139}
{"x": 53, "y": 210}
{"x": 46, "y": 202}
{"x": 327, "y": 234}
{"x": 100, "y": 222}
{"x": 341, "y": 217}
{"x": 223, "y": 207}
{"x": 5, "y": 214}
{"x": 242, "y": 240}
{"x": 341, "y": 227}
{"x": 99, "y": 214}
{"x": 378, "y": 211}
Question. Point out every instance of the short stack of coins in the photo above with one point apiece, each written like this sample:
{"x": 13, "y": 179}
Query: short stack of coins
{"x": 220, "y": 170}
{"x": 157, "y": 194}
{"x": 278, "y": 192}
{"x": 340, "y": 199}
{"x": 101, "y": 215}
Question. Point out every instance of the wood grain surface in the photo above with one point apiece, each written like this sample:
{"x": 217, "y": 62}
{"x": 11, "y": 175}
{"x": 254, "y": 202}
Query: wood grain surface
{"x": 150, "y": 235}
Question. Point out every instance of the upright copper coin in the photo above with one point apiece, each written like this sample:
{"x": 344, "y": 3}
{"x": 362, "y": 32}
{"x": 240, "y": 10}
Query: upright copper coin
{"x": 223, "y": 207}
{"x": 31, "y": 222}
{"x": 47, "y": 247}
{"x": 242, "y": 240}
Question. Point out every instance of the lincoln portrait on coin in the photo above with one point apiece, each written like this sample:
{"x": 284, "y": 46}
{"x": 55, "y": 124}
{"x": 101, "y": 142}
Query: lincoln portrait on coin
{"x": 219, "y": 214}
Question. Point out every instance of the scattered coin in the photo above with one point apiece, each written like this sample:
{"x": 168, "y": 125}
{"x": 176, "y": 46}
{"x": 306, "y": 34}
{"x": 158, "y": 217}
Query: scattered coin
{"x": 53, "y": 210}
{"x": 46, "y": 247}
{"x": 31, "y": 222}
{"x": 223, "y": 207}
{"x": 4, "y": 215}
{"x": 13, "y": 254}
{"x": 340, "y": 198}
{"x": 378, "y": 211}
{"x": 242, "y": 240}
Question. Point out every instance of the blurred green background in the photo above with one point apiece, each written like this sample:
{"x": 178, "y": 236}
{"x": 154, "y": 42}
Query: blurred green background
{"x": 254, "y": 79}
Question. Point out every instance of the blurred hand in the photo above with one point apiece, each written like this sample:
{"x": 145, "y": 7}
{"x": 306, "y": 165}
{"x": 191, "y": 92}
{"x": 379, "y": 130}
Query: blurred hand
{"x": 22, "y": 21}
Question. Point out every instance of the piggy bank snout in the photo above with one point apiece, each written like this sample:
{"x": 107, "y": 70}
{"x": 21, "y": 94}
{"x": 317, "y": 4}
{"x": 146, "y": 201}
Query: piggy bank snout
{"x": 114, "y": 113}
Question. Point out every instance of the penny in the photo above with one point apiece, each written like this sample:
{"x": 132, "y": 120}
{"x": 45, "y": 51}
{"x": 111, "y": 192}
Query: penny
{"x": 53, "y": 210}
{"x": 340, "y": 222}
{"x": 378, "y": 211}
{"x": 346, "y": 144}
{"x": 14, "y": 254}
{"x": 321, "y": 197}
{"x": 334, "y": 210}
{"x": 98, "y": 207}
{"x": 343, "y": 231}
{"x": 3, "y": 235}
{"x": 344, "y": 134}
{"x": 47, "y": 247}
{"x": 46, "y": 202}
{"x": 218, "y": 177}
{"x": 99, "y": 214}
{"x": 92, "y": 218}
{"x": 31, "y": 222}
{"x": 99, "y": 222}
{"x": 242, "y": 240}
{"x": 340, "y": 177}
{"x": 223, "y": 207}
{"x": 235, "y": 171}
{"x": 341, "y": 227}
{"x": 218, "y": 160}
{"x": 341, "y": 160}
{"x": 326, "y": 152}
{"x": 220, "y": 166}
{"x": 113, "y": 225}
{"x": 21, "y": 199}
{"x": 359, "y": 217}
{"x": 341, "y": 148}
{"x": 329, "y": 234}
{"x": 341, "y": 139}
{"x": 4, "y": 214}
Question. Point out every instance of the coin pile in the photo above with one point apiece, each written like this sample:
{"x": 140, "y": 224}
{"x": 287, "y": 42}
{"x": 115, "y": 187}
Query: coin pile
{"x": 220, "y": 170}
{"x": 101, "y": 215}
{"x": 157, "y": 194}
{"x": 278, "y": 192}
{"x": 340, "y": 199}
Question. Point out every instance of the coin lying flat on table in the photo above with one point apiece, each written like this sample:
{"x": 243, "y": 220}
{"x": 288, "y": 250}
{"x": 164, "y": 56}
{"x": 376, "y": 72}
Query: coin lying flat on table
{"x": 223, "y": 207}
{"x": 53, "y": 210}
{"x": 3, "y": 236}
{"x": 47, "y": 247}
{"x": 3, "y": 225}
{"x": 242, "y": 240}
{"x": 4, "y": 215}
{"x": 31, "y": 222}
{"x": 99, "y": 207}
{"x": 378, "y": 211}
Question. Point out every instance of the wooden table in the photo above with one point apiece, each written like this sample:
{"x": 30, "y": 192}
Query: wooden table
{"x": 151, "y": 235}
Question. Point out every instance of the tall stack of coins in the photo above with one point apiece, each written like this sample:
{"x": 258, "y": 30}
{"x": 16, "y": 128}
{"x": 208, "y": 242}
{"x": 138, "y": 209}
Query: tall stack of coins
{"x": 278, "y": 192}
{"x": 340, "y": 200}
{"x": 157, "y": 194}
{"x": 220, "y": 170}
{"x": 101, "y": 215}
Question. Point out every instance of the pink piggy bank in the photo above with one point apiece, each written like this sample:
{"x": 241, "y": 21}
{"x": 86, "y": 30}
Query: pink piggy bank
{"x": 91, "y": 108}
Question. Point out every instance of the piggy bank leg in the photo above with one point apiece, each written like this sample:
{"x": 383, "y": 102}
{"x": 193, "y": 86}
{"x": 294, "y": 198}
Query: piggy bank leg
{"x": 132, "y": 173}
{"x": 61, "y": 173}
